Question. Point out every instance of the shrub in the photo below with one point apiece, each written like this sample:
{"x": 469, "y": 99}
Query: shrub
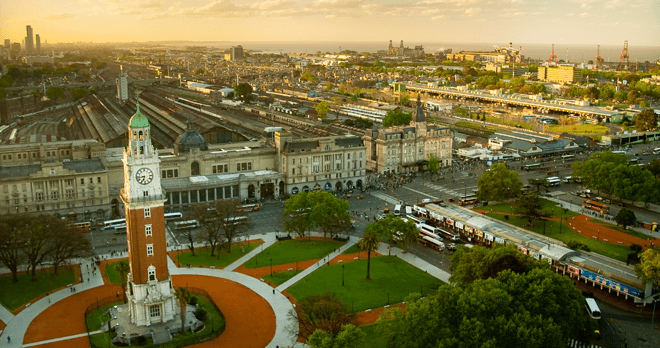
{"x": 141, "y": 341}
{"x": 575, "y": 245}
{"x": 192, "y": 301}
{"x": 200, "y": 313}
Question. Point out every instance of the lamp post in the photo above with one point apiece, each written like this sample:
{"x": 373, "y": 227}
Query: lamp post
{"x": 342, "y": 275}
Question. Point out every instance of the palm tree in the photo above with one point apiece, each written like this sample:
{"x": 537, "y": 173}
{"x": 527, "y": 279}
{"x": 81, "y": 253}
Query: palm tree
{"x": 183, "y": 296}
{"x": 370, "y": 240}
{"x": 123, "y": 268}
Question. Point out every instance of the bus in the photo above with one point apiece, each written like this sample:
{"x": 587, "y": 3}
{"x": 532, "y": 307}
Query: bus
{"x": 532, "y": 166}
{"x": 619, "y": 152}
{"x": 251, "y": 207}
{"x": 120, "y": 229}
{"x": 176, "y": 216}
{"x": 110, "y": 224}
{"x": 596, "y": 206}
{"x": 81, "y": 226}
{"x": 186, "y": 225}
{"x": 592, "y": 308}
{"x": 236, "y": 220}
{"x": 450, "y": 235}
{"x": 397, "y": 209}
{"x": 656, "y": 151}
{"x": 467, "y": 200}
{"x": 431, "y": 243}
{"x": 567, "y": 157}
{"x": 553, "y": 181}
{"x": 567, "y": 179}
{"x": 429, "y": 231}
{"x": 416, "y": 219}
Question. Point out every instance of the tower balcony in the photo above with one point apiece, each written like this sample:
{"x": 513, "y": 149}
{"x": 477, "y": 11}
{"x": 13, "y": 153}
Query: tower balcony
{"x": 127, "y": 199}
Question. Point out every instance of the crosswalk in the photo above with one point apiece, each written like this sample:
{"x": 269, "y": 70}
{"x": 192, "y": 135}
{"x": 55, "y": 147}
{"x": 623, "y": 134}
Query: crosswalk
{"x": 441, "y": 189}
{"x": 386, "y": 198}
{"x": 416, "y": 195}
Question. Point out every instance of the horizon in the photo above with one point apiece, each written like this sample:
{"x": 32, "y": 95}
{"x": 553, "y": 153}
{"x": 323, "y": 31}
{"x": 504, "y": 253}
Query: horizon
{"x": 562, "y": 22}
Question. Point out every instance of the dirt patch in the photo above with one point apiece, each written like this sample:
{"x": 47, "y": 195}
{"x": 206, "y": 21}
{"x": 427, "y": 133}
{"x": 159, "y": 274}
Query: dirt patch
{"x": 582, "y": 224}
{"x": 2, "y": 325}
{"x": 80, "y": 342}
{"x": 366, "y": 318}
{"x": 66, "y": 317}
{"x": 250, "y": 321}
{"x": 362, "y": 255}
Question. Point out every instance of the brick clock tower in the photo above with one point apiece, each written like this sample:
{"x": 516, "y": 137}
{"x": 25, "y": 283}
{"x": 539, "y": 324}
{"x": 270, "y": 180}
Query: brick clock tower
{"x": 149, "y": 288}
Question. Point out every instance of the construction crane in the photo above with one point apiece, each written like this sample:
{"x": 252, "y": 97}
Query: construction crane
{"x": 624, "y": 55}
{"x": 553, "y": 56}
{"x": 598, "y": 59}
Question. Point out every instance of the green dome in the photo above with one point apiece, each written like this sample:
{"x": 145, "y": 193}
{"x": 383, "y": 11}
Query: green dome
{"x": 138, "y": 120}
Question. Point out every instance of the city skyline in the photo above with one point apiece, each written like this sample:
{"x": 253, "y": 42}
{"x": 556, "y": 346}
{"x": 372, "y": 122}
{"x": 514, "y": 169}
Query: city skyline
{"x": 608, "y": 22}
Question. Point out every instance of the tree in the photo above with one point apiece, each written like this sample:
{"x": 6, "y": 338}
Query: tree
{"x": 67, "y": 244}
{"x": 370, "y": 241}
{"x": 350, "y": 336}
{"x": 211, "y": 228}
{"x": 433, "y": 165}
{"x": 404, "y": 100}
{"x": 183, "y": 296}
{"x": 309, "y": 77}
{"x": 322, "y": 109}
{"x": 535, "y": 309}
{"x": 11, "y": 241}
{"x": 499, "y": 183}
{"x": 625, "y": 218}
{"x": 529, "y": 207}
{"x": 244, "y": 92}
{"x": 397, "y": 118}
{"x": 37, "y": 235}
{"x": 396, "y": 231}
{"x": 328, "y": 212}
{"x": 648, "y": 267}
{"x": 654, "y": 167}
{"x": 470, "y": 264}
{"x": 646, "y": 120}
{"x": 79, "y": 93}
{"x": 123, "y": 269}
{"x": 55, "y": 93}
{"x": 324, "y": 312}
{"x": 228, "y": 215}
{"x": 297, "y": 214}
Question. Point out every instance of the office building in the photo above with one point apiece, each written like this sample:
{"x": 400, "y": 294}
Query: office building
{"x": 236, "y": 53}
{"x": 406, "y": 149}
{"x": 29, "y": 43}
{"x": 38, "y": 41}
{"x": 7, "y": 43}
{"x": 15, "y": 49}
{"x": 560, "y": 74}
{"x": 122, "y": 86}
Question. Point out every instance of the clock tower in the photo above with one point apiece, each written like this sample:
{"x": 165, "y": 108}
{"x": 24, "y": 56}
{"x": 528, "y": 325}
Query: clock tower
{"x": 149, "y": 288}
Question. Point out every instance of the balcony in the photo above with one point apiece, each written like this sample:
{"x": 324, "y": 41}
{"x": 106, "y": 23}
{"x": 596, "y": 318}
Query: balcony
{"x": 124, "y": 196}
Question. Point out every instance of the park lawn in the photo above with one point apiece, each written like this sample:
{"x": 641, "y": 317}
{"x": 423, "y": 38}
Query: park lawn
{"x": 102, "y": 340}
{"x": 14, "y": 295}
{"x": 373, "y": 339}
{"x": 579, "y": 129}
{"x": 293, "y": 250}
{"x": 220, "y": 260}
{"x": 94, "y": 320}
{"x": 548, "y": 207}
{"x": 112, "y": 273}
{"x": 618, "y": 252}
{"x": 620, "y": 229}
{"x": 391, "y": 279}
{"x": 354, "y": 249}
{"x": 278, "y": 278}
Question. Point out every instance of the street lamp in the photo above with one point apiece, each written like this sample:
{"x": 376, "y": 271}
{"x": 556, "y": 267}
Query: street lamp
{"x": 342, "y": 275}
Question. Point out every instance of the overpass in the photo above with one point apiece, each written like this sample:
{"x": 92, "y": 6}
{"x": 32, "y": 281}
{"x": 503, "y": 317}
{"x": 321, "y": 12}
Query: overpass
{"x": 558, "y": 106}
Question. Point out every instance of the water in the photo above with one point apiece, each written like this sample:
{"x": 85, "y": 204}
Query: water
{"x": 576, "y": 53}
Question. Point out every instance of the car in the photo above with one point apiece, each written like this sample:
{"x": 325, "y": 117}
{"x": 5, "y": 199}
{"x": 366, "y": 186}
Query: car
{"x": 426, "y": 200}
{"x": 359, "y": 197}
{"x": 452, "y": 246}
{"x": 380, "y": 217}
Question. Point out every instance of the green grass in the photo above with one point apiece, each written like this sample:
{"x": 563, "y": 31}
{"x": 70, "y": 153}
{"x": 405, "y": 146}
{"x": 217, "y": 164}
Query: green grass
{"x": 352, "y": 250}
{"x": 102, "y": 340}
{"x": 373, "y": 339}
{"x": 279, "y": 278}
{"x": 293, "y": 250}
{"x": 618, "y": 252}
{"x": 389, "y": 276}
{"x": 220, "y": 260}
{"x": 111, "y": 272}
{"x": 620, "y": 229}
{"x": 94, "y": 320}
{"x": 14, "y": 295}
{"x": 579, "y": 129}
{"x": 547, "y": 206}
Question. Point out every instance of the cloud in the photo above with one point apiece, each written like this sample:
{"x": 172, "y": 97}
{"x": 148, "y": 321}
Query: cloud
{"x": 472, "y": 11}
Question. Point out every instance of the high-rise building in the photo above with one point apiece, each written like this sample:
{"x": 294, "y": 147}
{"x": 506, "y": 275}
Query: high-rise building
{"x": 38, "y": 40}
{"x": 122, "y": 86}
{"x": 7, "y": 44}
{"x": 560, "y": 74}
{"x": 29, "y": 43}
{"x": 236, "y": 53}
{"x": 15, "y": 49}
{"x": 149, "y": 288}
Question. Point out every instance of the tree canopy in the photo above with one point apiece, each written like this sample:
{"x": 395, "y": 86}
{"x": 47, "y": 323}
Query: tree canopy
{"x": 304, "y": 211}
{"x": 397, "y": 118}
{"x": 625, "y": 217}
{"x": 499, "y": 183}
{"x": 646, "y": 120}
{"x": 529, "y": 207}
{"x": 55, "y": 93}
{"x": 244, "y": 92}
{"x": 433, "y": 164}
{"x": 649, "y": 267}
{"x": 322, "y": 109}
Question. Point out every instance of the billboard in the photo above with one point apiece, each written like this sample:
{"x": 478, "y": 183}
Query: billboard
{"x": 599, "y": 279}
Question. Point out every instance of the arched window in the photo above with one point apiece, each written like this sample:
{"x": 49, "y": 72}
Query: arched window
{"x": 141, "y": 135}
{"x": 141, "y": 149}
{"x": 194, "y": 168}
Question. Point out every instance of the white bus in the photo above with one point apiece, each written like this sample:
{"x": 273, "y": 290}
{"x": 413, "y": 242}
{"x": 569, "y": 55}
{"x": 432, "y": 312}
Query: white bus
{"x": 553, "y": 181}
{"x": 110, "y": 224}
{"x": 397, "y": 209}
{"x": 450, "y": 235}
{"x": 416, "y": 219}
{"x": 408, "y": 210}
{"x": 567, "y": 179}
{"x": 568, "y": 157}
{"x": 429, "y": 231}
{"x": 237, "y": 220}
{"x": 173, "y": 216}
{"x": 592, "y": 308}
{"x": 186, "y": 225}
{"x": 656, "y": 151}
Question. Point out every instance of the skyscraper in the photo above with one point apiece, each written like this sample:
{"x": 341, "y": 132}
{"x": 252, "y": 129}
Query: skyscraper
{"x": 29, "y": 43}
{"x": 7, "y": 44}
{"x": 38, "y": 40}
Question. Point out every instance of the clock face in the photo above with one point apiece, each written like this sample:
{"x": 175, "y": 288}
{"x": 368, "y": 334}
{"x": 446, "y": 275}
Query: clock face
{"x": 144, "y": 176}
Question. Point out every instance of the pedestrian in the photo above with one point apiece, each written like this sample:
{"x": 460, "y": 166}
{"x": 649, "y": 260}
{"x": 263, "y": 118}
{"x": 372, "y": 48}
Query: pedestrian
{"x": 8, "y": 339}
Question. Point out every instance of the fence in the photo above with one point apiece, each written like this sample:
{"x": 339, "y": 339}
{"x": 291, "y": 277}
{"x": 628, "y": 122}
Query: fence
{"x": 216, "y": 328}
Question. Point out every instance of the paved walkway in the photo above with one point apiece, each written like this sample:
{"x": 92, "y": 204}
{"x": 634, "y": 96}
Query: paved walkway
{"x": 17, "y": 325}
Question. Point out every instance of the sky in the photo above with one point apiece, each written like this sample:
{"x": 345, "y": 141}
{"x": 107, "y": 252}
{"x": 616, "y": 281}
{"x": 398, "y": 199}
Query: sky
{"x": 605, "y": 22}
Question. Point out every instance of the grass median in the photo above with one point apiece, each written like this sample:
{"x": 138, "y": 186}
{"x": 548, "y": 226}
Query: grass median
{"x": 221, "y": 259}
{"x": 392, "y": 279}
{"x": 289, "y": 251}
{"x": 14, "y": 295}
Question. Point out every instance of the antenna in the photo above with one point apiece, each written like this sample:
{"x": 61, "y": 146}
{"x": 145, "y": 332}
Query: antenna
{"x": 624, "y": 54}
{"x": 553, "y": 56}
{"x": 598, "y": 59}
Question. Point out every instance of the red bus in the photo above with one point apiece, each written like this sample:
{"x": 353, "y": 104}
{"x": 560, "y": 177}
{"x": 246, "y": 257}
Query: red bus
{"x": 596, "y": 206}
